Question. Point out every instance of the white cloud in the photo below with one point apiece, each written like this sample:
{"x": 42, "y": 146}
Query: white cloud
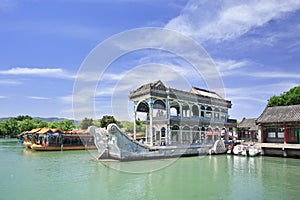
{"x": 48, "y": 72}
{"x": 224, "y": 20}
{"x": 37, "y": 98}
{"x": 247, "y": 68}
{"x": 3, "y": 97}
{"x": 10, "y": 82}
{"x": 231, "y": 67}
{"x": 274, "y": 74}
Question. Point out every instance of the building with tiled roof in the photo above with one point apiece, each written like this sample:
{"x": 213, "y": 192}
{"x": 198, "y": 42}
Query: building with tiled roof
{"x": 280, "y": 124}
{"x": 247, "y": 129}
{"x": 177, "y": 117}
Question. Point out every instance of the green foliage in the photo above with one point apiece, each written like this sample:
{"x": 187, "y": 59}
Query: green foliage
{"x": 9, "y": 127}
{"x": 106, "y": 120}
{"x": 97, "y": 123}
{"x": 65, "y": 125}
{"x": 291, "y": 97}
{"x": 14, "y": 126}
{"x": 128, "y": 126}
{"x": 86, "y": 122}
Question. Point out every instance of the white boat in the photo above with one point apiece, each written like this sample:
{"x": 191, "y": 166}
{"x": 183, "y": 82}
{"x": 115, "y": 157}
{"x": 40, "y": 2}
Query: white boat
{"x": 254, "y": 151}
{"x": 246, "y": 150}
{"x": 238, "y": 149}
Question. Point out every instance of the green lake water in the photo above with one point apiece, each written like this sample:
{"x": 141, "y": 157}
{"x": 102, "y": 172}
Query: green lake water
{"x": 26, "y": 174}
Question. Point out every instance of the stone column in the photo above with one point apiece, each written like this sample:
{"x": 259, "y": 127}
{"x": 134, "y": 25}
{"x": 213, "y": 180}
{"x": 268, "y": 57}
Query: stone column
{"x": 180, "y": 135}
{"x": 191, "y": 135}
{"x": 146, "y": 136}
{"x": 168, "y": 135}
{"x": 134, "y": 125}
{"x": 151, "y": 125}
{"x": 180, "y": 110}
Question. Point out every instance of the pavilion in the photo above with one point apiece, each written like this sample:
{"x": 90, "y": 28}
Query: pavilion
{"x": 176, "y": 117}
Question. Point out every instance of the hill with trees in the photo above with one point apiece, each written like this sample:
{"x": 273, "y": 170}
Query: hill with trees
{"x": 291, "y": 97}
{"x": 13, "y": 126}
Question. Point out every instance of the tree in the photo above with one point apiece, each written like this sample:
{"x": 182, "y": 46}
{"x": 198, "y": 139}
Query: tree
{"x": 106, "y": 120}
{"x": 23, "y": 117}
{"x": 53, "y": 124}
{"x": 10, "y": 127}
{"x": 66, "y": 125}
{"x": 86, "y": 122}
{"x": 37, "y": 123}
{"x": 26, "y": 125}
{"x": 291, "y": 97}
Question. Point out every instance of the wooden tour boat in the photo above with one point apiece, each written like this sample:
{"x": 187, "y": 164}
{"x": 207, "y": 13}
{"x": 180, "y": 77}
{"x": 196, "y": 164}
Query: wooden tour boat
{"x": 47, "y": 139}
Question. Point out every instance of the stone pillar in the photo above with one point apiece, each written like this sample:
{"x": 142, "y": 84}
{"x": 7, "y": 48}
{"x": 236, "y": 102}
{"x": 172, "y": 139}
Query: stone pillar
{"x": 146, "y": 136}
{"x": 168, "y": 135}
{"x": 180, "y": 110}
{"x": 191, "y": 135}
{"x": 134, "y": 125}
{"x": 151, "y": 125}
{"x": 168, "y": 109}
{"x": 180, "y": 135}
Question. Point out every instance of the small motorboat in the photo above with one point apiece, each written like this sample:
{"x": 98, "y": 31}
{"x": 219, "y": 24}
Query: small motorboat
{"x": 238, "y": 149}
{"x": 254, "y": 151}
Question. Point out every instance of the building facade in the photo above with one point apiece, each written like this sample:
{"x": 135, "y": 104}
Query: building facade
{"x": 247, "y": 130}
{"x": 176, "y": 117}
{"x": 280, "y": 124}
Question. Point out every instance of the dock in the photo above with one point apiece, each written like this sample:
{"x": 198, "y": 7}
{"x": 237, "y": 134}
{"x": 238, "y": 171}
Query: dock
{"x": 281, "y": 150}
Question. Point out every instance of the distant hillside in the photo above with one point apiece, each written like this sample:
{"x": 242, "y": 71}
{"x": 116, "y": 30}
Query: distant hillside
{"x": 51, "y": 119}
{"x": 45, "y": 119}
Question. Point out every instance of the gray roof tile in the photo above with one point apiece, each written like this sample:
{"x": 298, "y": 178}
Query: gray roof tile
{"x": 280, "y": 114}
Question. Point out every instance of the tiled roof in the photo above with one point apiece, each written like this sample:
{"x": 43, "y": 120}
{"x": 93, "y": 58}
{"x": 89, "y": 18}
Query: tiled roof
{"x": 248, "y": 123}
{"x": 280, "y": 114}
{"x": 204, "y": 92}
{"x": 34, "y": 130}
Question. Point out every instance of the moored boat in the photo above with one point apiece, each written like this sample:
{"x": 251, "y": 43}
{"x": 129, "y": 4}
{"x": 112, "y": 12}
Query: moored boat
{"x": 254, "y": 151}
{"x": 246, "y": 150}
{"x": 47, "y": 139}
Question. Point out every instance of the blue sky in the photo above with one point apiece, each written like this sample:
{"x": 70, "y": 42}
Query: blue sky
{"x": 255, "y": 45}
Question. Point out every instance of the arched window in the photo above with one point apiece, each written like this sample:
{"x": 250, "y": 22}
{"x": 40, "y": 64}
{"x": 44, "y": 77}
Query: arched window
{"x": 186, "y": 135}
{"x": 185, "y": 110}
{"x": 175, "y": 134}
{"x": 196, "y": 135}
{"x": 217, "y": 113}
{"x": 163, "y": 132}
{"x": 174, "y": 108}
{"x": 159, "y": 109}
{"x": 195, "y": 111}
{"x": 159, "y": 104}
{"x": 203, "y": 111}
{"x": 208, "y": 112}
{"x": 143, "y": 107}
